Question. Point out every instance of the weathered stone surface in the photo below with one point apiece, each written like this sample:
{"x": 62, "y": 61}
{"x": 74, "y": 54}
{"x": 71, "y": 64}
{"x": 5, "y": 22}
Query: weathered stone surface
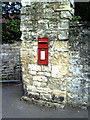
{"x": 54, "y": 83}
{"x": 61, "y": 46}
{"x": 32, "y": 72}
{"x": 69, "y": 66}
{"x": 60, "y": 58}
{"x": 56, "y": 71}
{"x": 43, "y": 102}
{"x": 47, "y": 97}
{"x": 34, "y": 67}
{"x": 66, "y": 14}
{"x": 10, "y": 64}
{"x": 76, "y": 88}
{"x": 68, "y": 60}
{"x": 39, "y": 84}
{"x": 41, "y": 21}
{"x": 31, "y": 88}
{"x": 44, "y": 90}
{"x": 40, "y": 78}
{"x": 26, "y": 2}
{"x": 62, "y": 6}
{"x": 63, "y": 24}
{"x": 62, "y": 34}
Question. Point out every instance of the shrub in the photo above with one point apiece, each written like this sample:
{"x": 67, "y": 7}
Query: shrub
{"x": 76, "y": 18}
{"x": 11, "y": 31}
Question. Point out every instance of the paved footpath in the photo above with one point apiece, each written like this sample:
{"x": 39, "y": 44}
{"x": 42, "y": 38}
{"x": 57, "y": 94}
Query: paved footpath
{"x": 12, "y": 107}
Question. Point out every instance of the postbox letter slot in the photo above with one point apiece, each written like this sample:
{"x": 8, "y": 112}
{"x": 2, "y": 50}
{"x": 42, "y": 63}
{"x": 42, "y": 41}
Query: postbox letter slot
{"x": 42, "y": 42}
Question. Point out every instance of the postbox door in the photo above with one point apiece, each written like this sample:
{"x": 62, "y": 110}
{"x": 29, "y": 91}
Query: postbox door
{"x": 43, "y": 56}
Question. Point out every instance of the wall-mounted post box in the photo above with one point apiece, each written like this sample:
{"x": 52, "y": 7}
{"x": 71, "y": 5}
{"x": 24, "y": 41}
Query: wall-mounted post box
{"x": 43, "y": 51}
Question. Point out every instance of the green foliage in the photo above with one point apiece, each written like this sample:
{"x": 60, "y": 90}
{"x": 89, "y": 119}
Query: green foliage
{"x": 11, "y": 31}
{"x": 76, "y": 18}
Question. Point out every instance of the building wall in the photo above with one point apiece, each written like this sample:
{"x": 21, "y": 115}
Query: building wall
{"x": 45, "y": 84}
{"x": 10, "y": 65}
{"x": 79, "y": 80}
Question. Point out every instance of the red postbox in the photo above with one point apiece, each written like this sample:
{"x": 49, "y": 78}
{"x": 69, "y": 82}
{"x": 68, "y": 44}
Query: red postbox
{"x": 43, "y": 51}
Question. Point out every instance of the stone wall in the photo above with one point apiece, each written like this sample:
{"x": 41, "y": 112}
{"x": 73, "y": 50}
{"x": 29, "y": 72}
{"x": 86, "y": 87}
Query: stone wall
{"x": 45, "y": 84}
{"x": 10, "y": 65}
{"x": 78, "y": 83}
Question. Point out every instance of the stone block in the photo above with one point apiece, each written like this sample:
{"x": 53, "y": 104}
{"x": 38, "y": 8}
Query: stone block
{"x": 47, "y": 74}
{"x": 32, "y": 72}
{"x": 52, "y": 35}
{"x": 44, "y": 73}
{"x": 41, "y": 33}
{"x": 66, "y": 14}
{"x": 61, "y": 45}
{"x": 40, "y": 73}
{"x": 74, "y": 54}
{"x": 74, "y": 61}
{"x": 60, "y": 58}
{"x": 48, "y": 10}
{"x": 63, "y": 6}
{"x": 40, "y": 78}
{"x": 34, "y": 43}
{"x": 64, "y": 71}
{"x": 26, "y": 26}
{"x": 52, "y": 25}
{"x": 46, "y": 96}
{"x": 76, "y": 70}
{"x": 56, "y": 71}
{"x": 31, "y": 88}
{"x": 44, "y": 90}
{"x": 42, "y": 26}
{"x": 34, "y": 67}
{"x": 54, "y": 83}
{"x": 39, "y": 84}
{"x": 46, "y": 68}
{"x": 63, "y": 35}
{"x": 25, "y": 2}
{"x": 63, "y": 24}
{"x": 26, "y": 35}
{"x": 33, "y": 94}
